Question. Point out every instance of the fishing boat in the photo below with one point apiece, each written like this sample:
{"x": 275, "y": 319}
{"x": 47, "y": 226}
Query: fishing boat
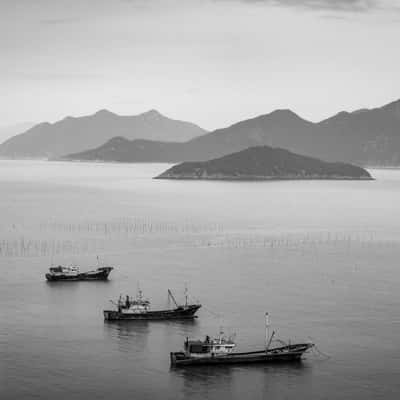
{"x": 222, "y": 351}
{"x": 138, "y": 309}
{"x": 72, "y": 273}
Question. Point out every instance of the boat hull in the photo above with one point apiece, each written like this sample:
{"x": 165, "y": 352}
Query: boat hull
{"x": 177, "y": 313}
{"x": 99, "y": 275}
{"x": 291, "y": 353}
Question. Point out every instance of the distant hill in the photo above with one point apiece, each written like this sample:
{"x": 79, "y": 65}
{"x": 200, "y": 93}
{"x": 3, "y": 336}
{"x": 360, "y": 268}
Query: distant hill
{"x": 72, "y": 135}
{"x": 367, "y": 137}
{"x": 11, "y": 130}
{"x": 222, "y": 141}
{"x": 363, "y": 137}
{"x": 281, "y": 128}
{"x": 120, "y": 149}
{"x": 264, "y": 163}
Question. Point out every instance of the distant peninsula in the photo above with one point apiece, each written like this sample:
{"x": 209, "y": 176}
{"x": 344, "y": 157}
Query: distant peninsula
{"x": 265, "y": 163}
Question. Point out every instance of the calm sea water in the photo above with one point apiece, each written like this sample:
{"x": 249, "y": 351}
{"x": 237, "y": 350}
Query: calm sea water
{"x": 321, "y": 256}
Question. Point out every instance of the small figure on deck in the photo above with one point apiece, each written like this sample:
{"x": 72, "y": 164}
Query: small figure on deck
{"x": 127, "y": 303}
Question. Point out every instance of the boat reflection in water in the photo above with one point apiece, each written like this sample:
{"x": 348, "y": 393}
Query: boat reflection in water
{"x": 146, "y": 341}
{"x": 242, "y": 381}
{"x": 129, "y": 337}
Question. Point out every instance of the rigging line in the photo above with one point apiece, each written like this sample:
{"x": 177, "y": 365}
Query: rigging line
{"x": 319, "y": 352}
{"x": 217, "y": 315}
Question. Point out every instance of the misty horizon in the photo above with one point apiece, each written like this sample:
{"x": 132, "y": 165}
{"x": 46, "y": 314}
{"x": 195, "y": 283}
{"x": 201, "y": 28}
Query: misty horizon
{"x": 210, "y": 62}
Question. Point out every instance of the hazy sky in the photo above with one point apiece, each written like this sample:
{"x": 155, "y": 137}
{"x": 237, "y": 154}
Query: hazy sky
{"x": 212, "y": 62}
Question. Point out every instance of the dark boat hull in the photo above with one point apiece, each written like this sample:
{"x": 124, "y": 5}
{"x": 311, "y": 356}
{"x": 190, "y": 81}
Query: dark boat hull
{"x": 284, "y": 354}
{"x": 177, "y": 313}
{"x": 100, "y": 275}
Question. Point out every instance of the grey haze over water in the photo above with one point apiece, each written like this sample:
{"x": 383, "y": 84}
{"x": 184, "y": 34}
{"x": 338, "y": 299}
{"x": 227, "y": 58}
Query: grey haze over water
{"x": 320, "y": 256}
{"x": 213, "y": 62}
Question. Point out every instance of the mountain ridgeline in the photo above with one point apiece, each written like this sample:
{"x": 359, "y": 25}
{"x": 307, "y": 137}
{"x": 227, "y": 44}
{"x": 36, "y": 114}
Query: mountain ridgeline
{"x": 9, "y": 131}
{"x": 264, "y": 163}
{"x": 364, "y": 137}
{"x": 72, "y": 135}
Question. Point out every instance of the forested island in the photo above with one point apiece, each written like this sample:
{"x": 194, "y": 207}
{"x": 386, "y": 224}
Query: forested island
{"x": 264, "y": 163}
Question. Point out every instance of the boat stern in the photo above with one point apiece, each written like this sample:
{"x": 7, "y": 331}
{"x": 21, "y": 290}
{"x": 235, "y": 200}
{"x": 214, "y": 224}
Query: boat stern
{"x": 49, "y": 277}
{"x": 177, "y": 357}
{"x": 111, "y": 315}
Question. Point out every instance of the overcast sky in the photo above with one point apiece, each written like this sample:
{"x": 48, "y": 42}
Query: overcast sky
{"x": 213, "y": 62}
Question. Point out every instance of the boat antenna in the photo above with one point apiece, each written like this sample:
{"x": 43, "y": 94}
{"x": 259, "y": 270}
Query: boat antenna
{"x": 186, "y": 295}
{"x": 139, "y": 293}
{"x": 221, "y": 334}
{"x": 266, "y": 331}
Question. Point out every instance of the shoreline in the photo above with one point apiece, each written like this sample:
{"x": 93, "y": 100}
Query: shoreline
{"x": 264, "y": 178}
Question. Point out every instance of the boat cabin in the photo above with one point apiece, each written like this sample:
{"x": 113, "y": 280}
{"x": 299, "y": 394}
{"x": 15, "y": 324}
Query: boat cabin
{"x": 209, "y": 347}
{"x": 64, "y": 270}
{"x": 131, "y": 305}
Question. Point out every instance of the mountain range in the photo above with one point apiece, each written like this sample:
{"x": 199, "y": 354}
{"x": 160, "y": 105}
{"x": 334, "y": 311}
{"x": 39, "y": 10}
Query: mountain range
{"x": 264, "y": 163}
{"x": 71, "y": 134}
{"x": 364, "y": 137}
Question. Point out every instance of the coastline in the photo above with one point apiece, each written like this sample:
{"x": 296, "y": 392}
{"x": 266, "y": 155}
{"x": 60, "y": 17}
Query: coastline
{"x": 262, "y": 178}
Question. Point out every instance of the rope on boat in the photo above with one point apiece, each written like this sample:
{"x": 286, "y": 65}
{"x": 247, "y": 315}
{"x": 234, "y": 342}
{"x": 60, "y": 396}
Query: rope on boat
{"x": 317, "y": 352}
{"x": 216, "y": 315}
{"x": 280, "y": 341}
